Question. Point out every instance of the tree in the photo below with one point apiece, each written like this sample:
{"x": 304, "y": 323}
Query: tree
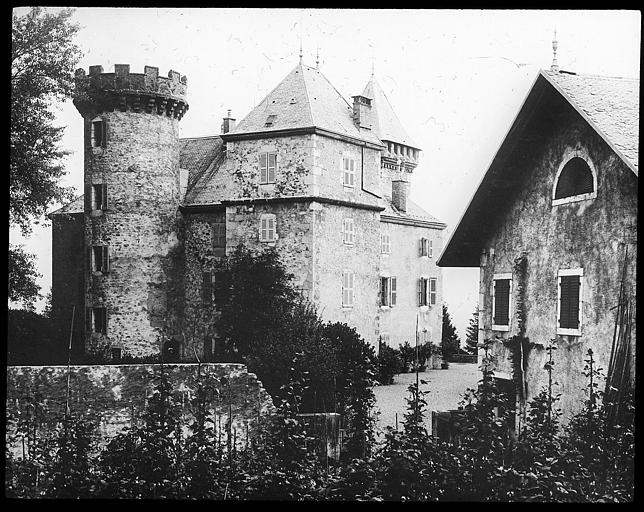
{"x": 450, "y": 342}
{"x": 43, "y": 58}
{"x": 472, "y": 333}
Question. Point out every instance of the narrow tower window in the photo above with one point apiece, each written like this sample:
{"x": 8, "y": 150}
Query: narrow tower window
{"x": 99, "y": 196}
{"x": 98, "y": 133}
{"x": 100, "y": 258}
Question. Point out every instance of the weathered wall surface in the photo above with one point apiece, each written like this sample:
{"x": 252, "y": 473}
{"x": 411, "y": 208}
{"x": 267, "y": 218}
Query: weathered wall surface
{"x": 139, "y": 165}
{"x": 118, "y": 394}
{"x": 68, "y": 281}
{"x": 331, "y": 257}
{"x": 398, "y": 323}
{"x": 590, "y": 234}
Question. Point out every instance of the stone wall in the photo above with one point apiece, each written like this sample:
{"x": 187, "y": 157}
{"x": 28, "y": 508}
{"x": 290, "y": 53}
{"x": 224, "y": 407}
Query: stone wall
{"x": 398, "y": 323}
{"x": 139, "y": 164}
{"x": 590, "y": 234}
{"x": 118, "y": 394}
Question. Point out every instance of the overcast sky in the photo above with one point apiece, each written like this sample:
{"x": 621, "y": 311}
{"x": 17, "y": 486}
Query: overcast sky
{"x": 456, "y": 79}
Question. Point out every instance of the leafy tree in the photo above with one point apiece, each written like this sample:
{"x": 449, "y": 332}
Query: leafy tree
{"x": 389, "y": 364}
{"x": 472, "y": 333}
{"x": 450, "y": 342}
{"x": 31, "y": 340}
{"x": 43, "y": 58}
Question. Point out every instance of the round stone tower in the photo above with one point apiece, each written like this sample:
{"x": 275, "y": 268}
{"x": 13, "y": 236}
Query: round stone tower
{"x": 132, "y": 194}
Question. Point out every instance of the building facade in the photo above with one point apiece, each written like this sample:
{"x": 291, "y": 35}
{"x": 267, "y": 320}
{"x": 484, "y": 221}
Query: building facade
{"x": 324, "y": 182}
{"x": 553, "y": 228}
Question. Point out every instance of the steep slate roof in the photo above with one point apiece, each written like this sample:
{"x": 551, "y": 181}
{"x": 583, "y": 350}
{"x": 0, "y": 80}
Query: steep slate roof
{"x": 609, "y": 105}
{"x": 385, "y": 121}
{"x": 414, "y": 212}
{"x": 305, "y": 98}
{"x": 76, "y": 206}
{"x": 197, "y": 155}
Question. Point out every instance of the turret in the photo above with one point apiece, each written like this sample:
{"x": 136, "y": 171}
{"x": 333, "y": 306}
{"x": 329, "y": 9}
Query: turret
{"x": 132, "y": 194}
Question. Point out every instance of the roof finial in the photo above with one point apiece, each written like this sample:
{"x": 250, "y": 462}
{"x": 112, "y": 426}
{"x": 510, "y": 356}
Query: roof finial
{"x": 554, "y": 67}
{"x": 372, "y": 67}
{"x": 300, "y": 50}
{"x": 317, "y": 59}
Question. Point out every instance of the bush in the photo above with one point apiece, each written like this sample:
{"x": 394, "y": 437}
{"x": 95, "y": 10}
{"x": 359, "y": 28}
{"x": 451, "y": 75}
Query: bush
{"x": 388, "y": 364}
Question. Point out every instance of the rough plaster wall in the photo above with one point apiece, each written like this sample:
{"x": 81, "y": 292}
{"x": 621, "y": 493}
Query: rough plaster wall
{"x": 140, "y": 167}
{"x": 118, "y": 395}
{"x": 404, "y": 263}
{"x": 585, "y": 234}
{"x": 328, "y": 171}
{"x": 68, "y": 287}
{"x": 332, "y": 256}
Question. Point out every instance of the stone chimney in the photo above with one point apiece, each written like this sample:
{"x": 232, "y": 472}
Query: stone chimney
{"x": 362, "y": 116}
{"x": 399, "y": 190}
{"x": 228, "y": 124}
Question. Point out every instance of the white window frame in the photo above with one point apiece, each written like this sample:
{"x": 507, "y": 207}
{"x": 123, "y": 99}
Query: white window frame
{"x": 348, "y": 171}
{"x": 385, "y": 243}
{"x": 348, "y": 231}
{"x": 391, "y": 291}
{"x": 432, "y": 282}
{"x": 501, "y": 277}
{"x": 348, "y": 288}
{"x": 93, "y": 140}
{"x": 569, "y": 155}
{"x": 570, "y": 272}
{"x": 265, "y": 176}
{"x": 268, "y": 227}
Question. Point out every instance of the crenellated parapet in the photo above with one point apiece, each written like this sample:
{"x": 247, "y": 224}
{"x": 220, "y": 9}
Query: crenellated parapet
{"x": 97, "y": 92}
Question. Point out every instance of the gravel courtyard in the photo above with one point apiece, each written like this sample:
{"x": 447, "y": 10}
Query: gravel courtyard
{"x": 445, "y": 387}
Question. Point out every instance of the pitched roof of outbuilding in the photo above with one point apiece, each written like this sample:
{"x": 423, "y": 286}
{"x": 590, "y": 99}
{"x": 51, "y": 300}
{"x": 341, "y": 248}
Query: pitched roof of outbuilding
{"x": 386, "y": 124}
{"x": 305, "y": 98}
{"x": 610, "y": 104}
{"x": 76, "y": 206}
{"x": 197, "y": 155}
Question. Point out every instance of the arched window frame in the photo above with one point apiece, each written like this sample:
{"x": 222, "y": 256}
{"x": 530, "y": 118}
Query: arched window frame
{"x": 569, "y": 155}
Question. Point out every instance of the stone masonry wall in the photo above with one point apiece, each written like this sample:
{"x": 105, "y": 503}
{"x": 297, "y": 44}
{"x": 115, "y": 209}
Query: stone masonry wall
{"x": 139, "y": 165}
{"x": 587, "y": 234}
{"x": 117, "y": 395}
{"x": 398, "y": 322}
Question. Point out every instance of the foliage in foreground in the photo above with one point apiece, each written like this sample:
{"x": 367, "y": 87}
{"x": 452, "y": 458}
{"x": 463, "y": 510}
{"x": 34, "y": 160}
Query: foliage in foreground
{"x": 589, "y": 460}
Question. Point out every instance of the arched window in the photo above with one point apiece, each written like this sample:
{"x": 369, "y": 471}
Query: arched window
{"x": 575, "y": 181}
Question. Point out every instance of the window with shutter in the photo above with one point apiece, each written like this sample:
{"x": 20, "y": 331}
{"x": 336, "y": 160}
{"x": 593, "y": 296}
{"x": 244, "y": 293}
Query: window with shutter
{"x": 219, "y": 235}
{"x": 501, "y": 300}
{"x": 206, "y": 288}
{"x": 267, "y": 229}
{"x": 385, "y": 244}
{"x": 430, "y": 248}
{"x": 347, "y": 289}
{"x": 100, "y": 259}
{"x": 348, "y": 231}
{"x": 348, "y": 176}
{"x": 267, "y": 167}
{"x": 393, "y": 291}
{"x": 569, "y": 310}
{"x": 432, "y": 291}
{"x": 423, "y": 289}
{"x": 423, "y": 247}
{"x": 384, "y": 291}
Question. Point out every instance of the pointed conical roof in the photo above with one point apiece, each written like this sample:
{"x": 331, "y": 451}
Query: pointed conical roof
{"x": 385, "y": 121}
{"x": 305, "y": 98}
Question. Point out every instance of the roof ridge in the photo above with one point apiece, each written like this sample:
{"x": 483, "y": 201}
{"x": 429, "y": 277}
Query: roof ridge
{"x": 590, "y": 75}
{"x": 306, "y": 93}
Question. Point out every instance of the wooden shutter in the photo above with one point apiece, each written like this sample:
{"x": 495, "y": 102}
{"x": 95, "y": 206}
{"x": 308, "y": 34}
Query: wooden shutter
{"x": 420, "y": 291}
{"x": 103, "y": 133}
{"x": 432, "y": 292}
{"x": 569, "y": 302}
{"x": 393, "y": 291}
{"x": 502, "y": 302}
{"x": 383, "y": 291}
{"x": 272, "y": 166}
{"x": 263, "y": 167}
{"x": 206, "y": 288}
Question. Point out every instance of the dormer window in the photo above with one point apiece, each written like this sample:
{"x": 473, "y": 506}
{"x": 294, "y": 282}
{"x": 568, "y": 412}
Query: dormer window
{"x": 576, "y": 180}
{"x": 270, "y": 120}
{"x": 98, "y": 133}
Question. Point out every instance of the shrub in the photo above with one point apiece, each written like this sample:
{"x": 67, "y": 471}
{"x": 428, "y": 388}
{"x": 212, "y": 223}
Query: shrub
{"x": 388, "y": 364}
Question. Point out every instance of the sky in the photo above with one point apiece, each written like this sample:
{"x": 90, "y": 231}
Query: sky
{"x": 456, "y": 79}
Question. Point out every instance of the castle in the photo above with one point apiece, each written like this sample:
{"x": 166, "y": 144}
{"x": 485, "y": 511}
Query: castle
{"x": 324, "y": 182}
